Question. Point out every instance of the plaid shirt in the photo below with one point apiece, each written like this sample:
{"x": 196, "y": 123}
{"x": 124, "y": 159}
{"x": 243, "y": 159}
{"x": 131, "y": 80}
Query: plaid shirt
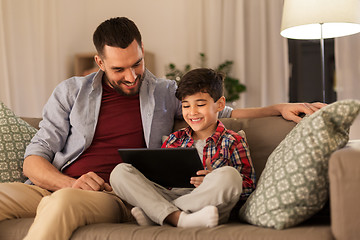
{"x": 223, "y": 148}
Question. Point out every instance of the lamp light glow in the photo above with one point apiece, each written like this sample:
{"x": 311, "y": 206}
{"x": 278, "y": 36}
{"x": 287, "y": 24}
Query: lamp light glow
{"x": 320, "y": 19}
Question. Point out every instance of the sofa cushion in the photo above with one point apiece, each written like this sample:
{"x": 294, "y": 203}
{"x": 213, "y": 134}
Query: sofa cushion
{"x": 15, "y": 134}
{"x": 294, "y": 184}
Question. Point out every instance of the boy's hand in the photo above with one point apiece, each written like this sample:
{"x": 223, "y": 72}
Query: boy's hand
{"x": 196, "y": 181}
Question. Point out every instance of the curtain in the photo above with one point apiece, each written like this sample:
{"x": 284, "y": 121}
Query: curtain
{"x": 347, "y": 61}
{"x": 28, "y": 57}
{"x": 248, "y": 33}
{"x": 39, "y": 39}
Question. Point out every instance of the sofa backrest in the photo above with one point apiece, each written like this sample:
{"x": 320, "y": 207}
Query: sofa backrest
{"x": 263, "y": 135}
{"x": 32, "y": 121}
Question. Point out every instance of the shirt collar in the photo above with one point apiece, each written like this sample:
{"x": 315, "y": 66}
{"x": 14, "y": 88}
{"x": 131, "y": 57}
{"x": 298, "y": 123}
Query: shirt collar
{"x": 220, "y": 129}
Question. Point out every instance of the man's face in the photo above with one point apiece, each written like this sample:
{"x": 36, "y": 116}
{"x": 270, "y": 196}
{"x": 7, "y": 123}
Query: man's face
{"x": 124, "y": 68}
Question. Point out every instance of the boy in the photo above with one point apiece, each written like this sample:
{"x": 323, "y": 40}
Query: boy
{"x": 228, "y": 175}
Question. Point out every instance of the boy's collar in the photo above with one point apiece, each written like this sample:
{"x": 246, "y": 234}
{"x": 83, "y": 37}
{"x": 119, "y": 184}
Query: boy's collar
{"x": 220, "y": 128}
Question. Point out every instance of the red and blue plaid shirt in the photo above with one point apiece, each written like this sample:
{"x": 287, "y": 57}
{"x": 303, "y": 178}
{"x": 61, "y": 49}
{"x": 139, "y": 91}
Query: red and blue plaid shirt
{"x": 223, "y": 148}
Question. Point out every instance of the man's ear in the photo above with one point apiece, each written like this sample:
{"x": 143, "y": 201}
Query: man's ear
{"x": 221, "y": 103}
{"x": 99, "y": 62}
{"x": 142, "y": 49}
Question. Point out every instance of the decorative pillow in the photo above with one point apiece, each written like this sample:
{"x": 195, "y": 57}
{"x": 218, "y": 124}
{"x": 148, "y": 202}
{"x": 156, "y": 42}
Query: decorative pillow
{"x": 294, "y": 184}
{"x": 15, "y": 134}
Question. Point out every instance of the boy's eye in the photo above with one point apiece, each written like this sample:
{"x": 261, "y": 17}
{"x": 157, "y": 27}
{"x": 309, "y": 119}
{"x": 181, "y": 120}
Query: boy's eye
{"x": 185, "y": 106}
{"x": 201, "y": 105}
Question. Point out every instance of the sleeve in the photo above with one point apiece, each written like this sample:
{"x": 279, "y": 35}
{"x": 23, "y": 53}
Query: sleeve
{"x": 54, "y": 127}
{"x": 240, "y": 158}
{"x": 226, "y": 112}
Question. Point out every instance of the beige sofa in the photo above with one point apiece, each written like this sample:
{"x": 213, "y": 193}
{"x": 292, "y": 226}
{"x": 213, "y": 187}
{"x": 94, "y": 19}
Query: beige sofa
{"x": 338, "y": 220}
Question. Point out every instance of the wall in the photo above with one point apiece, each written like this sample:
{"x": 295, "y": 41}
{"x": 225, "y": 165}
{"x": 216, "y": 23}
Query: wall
{"x": 161, "y": 23}
{"x": 65, "y": 27}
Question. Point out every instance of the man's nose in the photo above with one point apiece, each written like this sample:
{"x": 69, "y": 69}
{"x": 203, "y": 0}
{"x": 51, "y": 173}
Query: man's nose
{"x": 130, "y": 75}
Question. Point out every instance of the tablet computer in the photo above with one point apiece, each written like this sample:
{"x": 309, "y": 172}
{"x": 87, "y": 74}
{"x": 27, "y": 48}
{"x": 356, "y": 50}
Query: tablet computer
{"x": 169, "y": 167}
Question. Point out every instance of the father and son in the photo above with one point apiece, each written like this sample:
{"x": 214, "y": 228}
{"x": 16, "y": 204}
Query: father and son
{"x": 75, "y": 173}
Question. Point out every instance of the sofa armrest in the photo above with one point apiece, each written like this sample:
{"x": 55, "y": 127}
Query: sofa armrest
{"x": 344, "y": 177}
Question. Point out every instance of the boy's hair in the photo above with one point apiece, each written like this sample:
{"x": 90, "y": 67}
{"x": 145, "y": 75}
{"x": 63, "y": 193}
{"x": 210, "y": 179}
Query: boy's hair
{"x": 203, "y": 80}
{"x": 116, "y": 32}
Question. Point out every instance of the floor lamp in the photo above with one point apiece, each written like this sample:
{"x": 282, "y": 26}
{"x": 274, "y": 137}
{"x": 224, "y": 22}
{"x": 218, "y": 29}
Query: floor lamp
{"x": 320, "y": 19}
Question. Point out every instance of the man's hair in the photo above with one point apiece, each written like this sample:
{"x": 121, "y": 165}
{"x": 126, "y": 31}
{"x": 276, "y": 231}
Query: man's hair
{"x": 203, "y": 80}
{"x": 116, "y": 32}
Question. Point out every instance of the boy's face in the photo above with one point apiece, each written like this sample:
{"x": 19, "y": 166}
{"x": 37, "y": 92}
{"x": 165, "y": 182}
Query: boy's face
{"x": 201, "y": 113}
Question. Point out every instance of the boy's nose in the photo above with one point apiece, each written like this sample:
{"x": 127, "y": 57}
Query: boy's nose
{"x": 193, "y": 110}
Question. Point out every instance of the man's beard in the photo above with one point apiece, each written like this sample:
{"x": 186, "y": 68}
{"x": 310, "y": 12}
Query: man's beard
{"x": 139, "y": 78}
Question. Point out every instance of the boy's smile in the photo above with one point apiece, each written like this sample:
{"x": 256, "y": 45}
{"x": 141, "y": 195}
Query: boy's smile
{"x": 201, "y": 113}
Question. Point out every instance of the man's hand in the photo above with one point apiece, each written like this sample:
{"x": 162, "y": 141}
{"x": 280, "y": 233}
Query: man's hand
{"x": 91, "y": 181}
{"x": 291, "y": 111}
{"x": 196, "y": 181}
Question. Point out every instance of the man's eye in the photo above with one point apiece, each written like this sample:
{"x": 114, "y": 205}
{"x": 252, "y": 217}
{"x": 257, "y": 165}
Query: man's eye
{"x": 185, "y": 106}
{"x": 201, "y": 105}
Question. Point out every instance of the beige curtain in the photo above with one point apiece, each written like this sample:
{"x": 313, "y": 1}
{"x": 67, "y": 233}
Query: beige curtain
{"x": 28, "y": 57}
{"x": 347, "y": 60}
{"x": 247, "y": 32}
{"x": 39, "y": 39}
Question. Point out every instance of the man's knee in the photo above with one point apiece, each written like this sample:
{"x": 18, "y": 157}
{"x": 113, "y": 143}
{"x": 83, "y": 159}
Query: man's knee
{"x": 63, "y": 198}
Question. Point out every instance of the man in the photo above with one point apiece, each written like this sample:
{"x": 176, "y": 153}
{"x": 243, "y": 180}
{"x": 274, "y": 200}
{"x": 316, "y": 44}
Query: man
{"x": 85, "y": 121}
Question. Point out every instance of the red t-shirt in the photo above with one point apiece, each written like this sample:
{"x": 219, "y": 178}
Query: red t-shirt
{"x": 119, "y": 126}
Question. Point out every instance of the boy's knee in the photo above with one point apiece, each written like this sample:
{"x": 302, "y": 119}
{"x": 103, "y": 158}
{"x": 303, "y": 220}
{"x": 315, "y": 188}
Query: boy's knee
{"x": 120, "y": 172}
{"x": 230, "y": 178}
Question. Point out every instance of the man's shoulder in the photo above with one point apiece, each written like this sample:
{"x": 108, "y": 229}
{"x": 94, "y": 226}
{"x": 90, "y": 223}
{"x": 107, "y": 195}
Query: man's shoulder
{"x": 75, "y": 84}
{"x": 159, "y": 82}
{"x": 79, "y": 81}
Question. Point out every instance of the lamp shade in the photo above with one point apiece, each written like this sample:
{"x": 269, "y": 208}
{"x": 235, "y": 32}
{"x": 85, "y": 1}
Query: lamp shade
{"x": 303, "y": 19}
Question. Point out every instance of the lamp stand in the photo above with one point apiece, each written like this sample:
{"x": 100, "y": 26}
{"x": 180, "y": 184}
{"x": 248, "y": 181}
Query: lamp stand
{"x": 322, "y": 64}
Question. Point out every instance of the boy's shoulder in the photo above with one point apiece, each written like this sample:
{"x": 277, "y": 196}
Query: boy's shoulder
{"x": 236, "y": 136}
{"x": 232, "y": 135}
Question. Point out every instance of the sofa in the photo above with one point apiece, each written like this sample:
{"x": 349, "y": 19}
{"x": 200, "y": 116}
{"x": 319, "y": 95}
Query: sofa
{"x": 338, "y": 219}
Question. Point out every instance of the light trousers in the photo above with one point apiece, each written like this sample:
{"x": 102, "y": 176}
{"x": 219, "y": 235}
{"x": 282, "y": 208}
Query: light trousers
{"x": 60, "y": 213}
{"x": 221, "y": 188}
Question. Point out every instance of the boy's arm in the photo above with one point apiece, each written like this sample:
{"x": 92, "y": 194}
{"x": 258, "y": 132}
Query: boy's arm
{"x": 241, "y": 160}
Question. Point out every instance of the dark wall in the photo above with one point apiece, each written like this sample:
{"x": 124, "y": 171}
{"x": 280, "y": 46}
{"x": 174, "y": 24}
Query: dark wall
{"x": 305, "y": 61}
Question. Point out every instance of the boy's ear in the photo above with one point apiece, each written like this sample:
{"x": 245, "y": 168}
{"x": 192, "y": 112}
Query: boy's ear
{"x": 221, "y": 103}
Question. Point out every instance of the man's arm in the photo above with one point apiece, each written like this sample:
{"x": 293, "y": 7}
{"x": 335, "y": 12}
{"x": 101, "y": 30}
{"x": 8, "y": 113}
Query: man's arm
{"x": 43, "y": 174}
{"x": 289, "y": 111}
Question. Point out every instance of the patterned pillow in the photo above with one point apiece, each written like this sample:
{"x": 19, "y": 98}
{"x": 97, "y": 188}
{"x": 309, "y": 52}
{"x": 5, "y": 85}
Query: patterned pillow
{"x": 15, "y": 134}
{"x": 294, "y": 184}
